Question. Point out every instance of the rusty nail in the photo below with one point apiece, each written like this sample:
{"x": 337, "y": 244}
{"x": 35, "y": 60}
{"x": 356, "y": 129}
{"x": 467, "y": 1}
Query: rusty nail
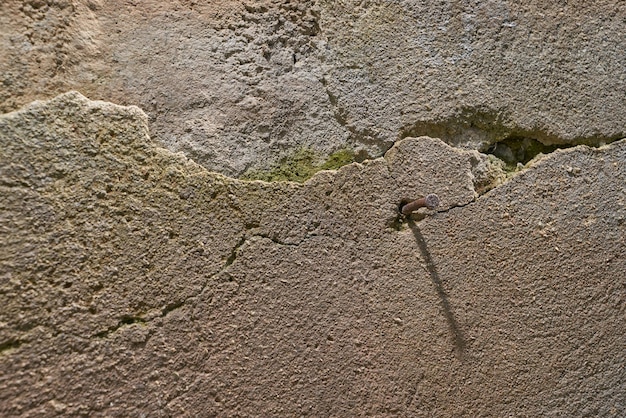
{"x": 430, "y": 201}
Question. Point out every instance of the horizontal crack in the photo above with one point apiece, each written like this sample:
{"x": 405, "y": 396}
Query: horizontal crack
{"x": 457, "y": 206}
{"x": 489, "y": 132}
{"x": 172, "y": 307}
{"x": 124, "y": 321}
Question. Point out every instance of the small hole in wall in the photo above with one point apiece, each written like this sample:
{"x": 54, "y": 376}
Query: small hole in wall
{"x": 399, "y": 221}
{"x": 519, "y": 149}
{"x": 128, "y": 320}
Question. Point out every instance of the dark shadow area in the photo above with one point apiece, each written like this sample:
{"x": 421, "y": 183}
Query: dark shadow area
{"x": 10, "y": 345}
{"x": 457, "y": 335}
{"x": 490, "y": 132}
{"x": 517, "y": 149}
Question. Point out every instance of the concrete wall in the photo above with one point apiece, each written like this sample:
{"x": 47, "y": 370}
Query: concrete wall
{"x": 136, "y": 279}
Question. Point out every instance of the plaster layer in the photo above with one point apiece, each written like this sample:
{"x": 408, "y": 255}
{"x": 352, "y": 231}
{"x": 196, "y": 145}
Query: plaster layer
{"x": 136, "y": 283}
{"x": 239, "y": 85}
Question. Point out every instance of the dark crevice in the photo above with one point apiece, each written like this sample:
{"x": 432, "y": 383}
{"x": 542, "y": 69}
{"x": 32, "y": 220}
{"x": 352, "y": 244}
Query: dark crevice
{"x": 469, "y": 129}
{"x": 127, "y": 320}
{"x": 277, "y": 241}
{"x": 518, "y": 149}
{"x": 10, "y": 345}
{"x": 513, "y": 154}
{"x": 233, "y": 254}
{"x": 489, "y": 132}
{"x": 104, "y": 334}
{"x": 400, "y": 219}
{"x": 456, "y": 206}
{"x": 124, "y": 321}
{"x": 171, "y": 307}
{"x": 229, "y": 261}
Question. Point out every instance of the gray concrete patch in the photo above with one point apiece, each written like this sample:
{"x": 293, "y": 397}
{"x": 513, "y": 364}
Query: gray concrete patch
{"x": 240, "y": 85}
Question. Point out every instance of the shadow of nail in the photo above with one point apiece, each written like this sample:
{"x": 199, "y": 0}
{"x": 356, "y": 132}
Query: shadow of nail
{"x": 457, "y": 335}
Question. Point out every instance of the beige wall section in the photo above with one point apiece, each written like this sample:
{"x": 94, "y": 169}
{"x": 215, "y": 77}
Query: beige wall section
{"x": 134, "y": 282}
{"x": 237, "y": 85}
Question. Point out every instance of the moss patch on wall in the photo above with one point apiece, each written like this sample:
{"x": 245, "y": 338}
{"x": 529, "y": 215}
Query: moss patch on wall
{"x": 301, "y": 166}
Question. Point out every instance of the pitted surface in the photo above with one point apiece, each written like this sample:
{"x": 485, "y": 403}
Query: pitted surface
{"x": 240, "y": 85}
{"x": 135, "y": 282}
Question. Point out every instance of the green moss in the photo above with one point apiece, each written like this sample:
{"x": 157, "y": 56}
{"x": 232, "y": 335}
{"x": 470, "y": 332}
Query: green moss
{"x": 301, "y": 166}
{"x": 338, "y": 159}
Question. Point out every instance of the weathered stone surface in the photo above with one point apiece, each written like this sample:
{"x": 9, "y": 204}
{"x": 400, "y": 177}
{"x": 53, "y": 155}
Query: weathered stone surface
{"x": 237, "y": 85}
{"x": 474, "y": 71}
{"x": 135, "y": 283}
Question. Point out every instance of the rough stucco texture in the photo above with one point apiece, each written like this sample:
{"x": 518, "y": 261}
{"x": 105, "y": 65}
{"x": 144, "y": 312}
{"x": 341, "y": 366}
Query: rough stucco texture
{"x": 237, "y": 85}
{"x": 133, "y": 282}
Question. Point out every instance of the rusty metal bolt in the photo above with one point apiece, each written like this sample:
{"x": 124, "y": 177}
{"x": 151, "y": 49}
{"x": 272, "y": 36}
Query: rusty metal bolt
{"x": 430, "y": 201}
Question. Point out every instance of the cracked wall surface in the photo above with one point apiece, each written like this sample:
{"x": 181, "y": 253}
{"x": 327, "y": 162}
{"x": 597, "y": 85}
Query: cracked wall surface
{"x": 134, "y": 282}
{"x": 239, "y": 85}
